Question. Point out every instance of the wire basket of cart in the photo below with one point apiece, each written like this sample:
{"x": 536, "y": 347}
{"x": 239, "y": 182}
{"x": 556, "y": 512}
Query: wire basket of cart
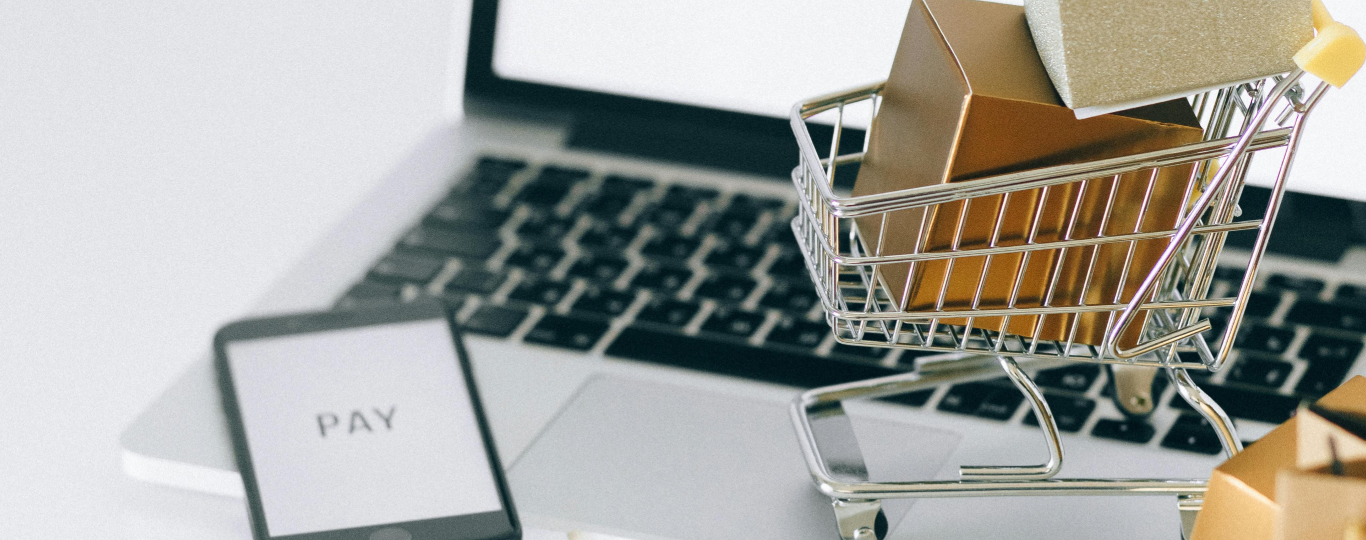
{"x": 1156, "y": 313}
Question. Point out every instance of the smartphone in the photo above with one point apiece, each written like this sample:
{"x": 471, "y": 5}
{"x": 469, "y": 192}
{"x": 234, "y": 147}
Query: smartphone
{"x": 361, "y": 425}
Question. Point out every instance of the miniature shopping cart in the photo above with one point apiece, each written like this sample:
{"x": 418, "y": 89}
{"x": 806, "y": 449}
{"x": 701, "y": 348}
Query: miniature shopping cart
{"x": 1171, "y": 306}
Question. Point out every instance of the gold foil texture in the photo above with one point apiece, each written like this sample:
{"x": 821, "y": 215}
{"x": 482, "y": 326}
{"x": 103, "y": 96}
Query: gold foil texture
{"x": 1107, "y": 52}
{"x": 967, "y": 97}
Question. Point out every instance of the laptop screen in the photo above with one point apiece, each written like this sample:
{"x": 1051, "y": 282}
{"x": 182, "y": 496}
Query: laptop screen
{"x": 759, "y": 57}
{"x": 756, "y": 57}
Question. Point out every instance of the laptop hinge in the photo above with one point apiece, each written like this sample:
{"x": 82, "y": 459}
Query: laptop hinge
{"x": 765, "y": 148}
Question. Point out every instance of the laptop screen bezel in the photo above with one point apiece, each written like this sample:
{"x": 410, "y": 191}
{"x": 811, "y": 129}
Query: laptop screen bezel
{"x": 482, "y": 82}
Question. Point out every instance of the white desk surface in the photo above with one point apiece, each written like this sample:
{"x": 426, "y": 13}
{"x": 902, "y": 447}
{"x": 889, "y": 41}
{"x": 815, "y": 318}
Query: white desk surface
{"x": 160, "y": 164}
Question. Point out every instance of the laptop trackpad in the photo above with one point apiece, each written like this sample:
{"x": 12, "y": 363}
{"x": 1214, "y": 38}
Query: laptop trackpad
{"x": 643, "y": 459}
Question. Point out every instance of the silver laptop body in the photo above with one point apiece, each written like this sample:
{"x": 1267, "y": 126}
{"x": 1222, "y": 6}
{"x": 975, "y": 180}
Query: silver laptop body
{"x": 637, "y": 328}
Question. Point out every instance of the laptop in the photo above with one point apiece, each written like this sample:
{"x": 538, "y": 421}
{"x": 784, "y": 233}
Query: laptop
{"x": 611, "y": 215}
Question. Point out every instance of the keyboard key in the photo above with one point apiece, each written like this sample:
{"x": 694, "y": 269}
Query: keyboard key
{"x": 658, "y": 276}
{"x": 798, "y": 333}
{"x": 753, "y": 204}
{"x": 466, "y": 213}
{"x": 780, "y": 232}
{"x": 607, "y": 236}
{"x": 1248, "y": 404}
{"x": 1001, "y": 404}
{"x": 1229, "y": 273}
{"x": 859, "y": 351}
{"x": 727, "y": 288}
{"x": 1069, "y": 412}
{"x": 453, "y": 301}
{"x": 917, "y": 398}
{"x": 1261, "y": 304}
{"x": 1193, "y": 434}
{"x": 562, "y": 174}
{"x": 475, "y": 280}
{"x": 667, "y": 219}
{"x": 735, "y": 257}
{"x": 685, "y": 198}
{"x": 672, "y": 313}
{"x": 544, "y": 226}
{"x": 543, "y": 194}
{"x": 407, "y": 268}
{"x": 671, "y": 247}
{"x": 1319, "y": 349}
{"x": 794, "y": 296}
{"x": 967, "y": 397}
{"x": 550, "y": 186}
{"x": 462, "y": 244}
{"x": 1268, "y": 374}
{"x": 1217, "y": 325}
{"x": 598, "y": 268}
{"x": 546, "y": 293}
{"x": 605, "y": 302}
{"x": 1323, "y": 315}
{"x": 734, "y": 225}
{"x": 492, "y": 320}
{"x": 1354, "y": 295}
{"x": 1306, "y": 286}
{"x": 490, "y": 176}
{"x": 537, "y": 259}
{"x": 738, "y": 360}
{"x": 789, "y": 264}
{"x": 1077, "y": 378}
{"x": 1135, "y": 431}
{"x": 566, "y": 332}
{"x": 501, "y": 164}
{"x": 370, "y": 292}
{"x": 606, "y": 207}
{"x": 1321, "y": 377}
{"x": 733, "y": 322}
{"x": 619, "y": 185}
{"x": 1264, "y": 339}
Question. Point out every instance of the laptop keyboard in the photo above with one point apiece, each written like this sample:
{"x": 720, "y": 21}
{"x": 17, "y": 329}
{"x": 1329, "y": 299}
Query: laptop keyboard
{"x": 696, "y": 278}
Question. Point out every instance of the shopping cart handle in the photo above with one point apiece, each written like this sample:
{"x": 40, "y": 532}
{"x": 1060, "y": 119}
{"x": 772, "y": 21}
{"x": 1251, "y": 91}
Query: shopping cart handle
{"x": 1336, "y": 53}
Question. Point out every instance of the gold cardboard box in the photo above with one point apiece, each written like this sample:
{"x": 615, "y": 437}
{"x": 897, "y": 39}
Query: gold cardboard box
{"x": 1121, "y": 53}
{"x": 1246, "y": 493}
{"x": 967, "y": 98}
{"x": 1315, "y": 503}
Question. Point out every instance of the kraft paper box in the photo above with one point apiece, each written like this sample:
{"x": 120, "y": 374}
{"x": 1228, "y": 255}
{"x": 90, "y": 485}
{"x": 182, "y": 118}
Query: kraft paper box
{"x": 1116, "y": 54}
{"x": 967, "y": 98}
{"x": 1315, "y": 503}
{"x": 1245, "y": 496}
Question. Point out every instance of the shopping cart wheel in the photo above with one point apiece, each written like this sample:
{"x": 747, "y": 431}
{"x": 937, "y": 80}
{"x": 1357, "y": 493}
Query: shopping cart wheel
{"x": 860, "y": 519}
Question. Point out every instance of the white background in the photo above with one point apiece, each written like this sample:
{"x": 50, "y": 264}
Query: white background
{"x": 424, "y": 460}
{"x": 162, "y": 162}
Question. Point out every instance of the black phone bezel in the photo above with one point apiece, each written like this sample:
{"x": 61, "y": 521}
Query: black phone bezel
{"x": 497, "y": 525}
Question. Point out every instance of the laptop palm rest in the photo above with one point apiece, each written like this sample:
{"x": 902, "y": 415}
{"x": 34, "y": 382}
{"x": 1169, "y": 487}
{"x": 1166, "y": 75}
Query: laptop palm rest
{"x": 649, "y": 460}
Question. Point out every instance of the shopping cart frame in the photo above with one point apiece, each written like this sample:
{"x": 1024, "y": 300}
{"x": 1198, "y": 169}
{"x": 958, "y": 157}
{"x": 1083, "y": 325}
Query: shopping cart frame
{"x": 1169, "y": 302}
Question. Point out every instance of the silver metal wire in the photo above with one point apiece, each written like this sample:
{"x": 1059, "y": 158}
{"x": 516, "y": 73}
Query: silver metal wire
{"x": 863, "y": 309}
{"x": 1172, "y": 303}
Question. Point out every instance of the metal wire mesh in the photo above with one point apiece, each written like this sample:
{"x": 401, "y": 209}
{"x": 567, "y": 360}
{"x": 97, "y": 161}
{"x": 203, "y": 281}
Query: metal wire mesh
{"x": 1055, "y": 284}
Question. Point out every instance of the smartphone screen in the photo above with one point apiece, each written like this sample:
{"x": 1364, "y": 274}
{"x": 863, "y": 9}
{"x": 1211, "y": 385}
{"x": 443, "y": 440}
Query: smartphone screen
{"x": 363, "y": 426}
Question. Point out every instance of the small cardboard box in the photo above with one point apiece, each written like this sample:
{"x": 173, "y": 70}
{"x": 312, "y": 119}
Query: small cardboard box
{"x": 1116, "y": 54}
{"x": 1315, "y": 502}
{"x": 1245, "y": 497}
{"x": 968, "y": 98}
